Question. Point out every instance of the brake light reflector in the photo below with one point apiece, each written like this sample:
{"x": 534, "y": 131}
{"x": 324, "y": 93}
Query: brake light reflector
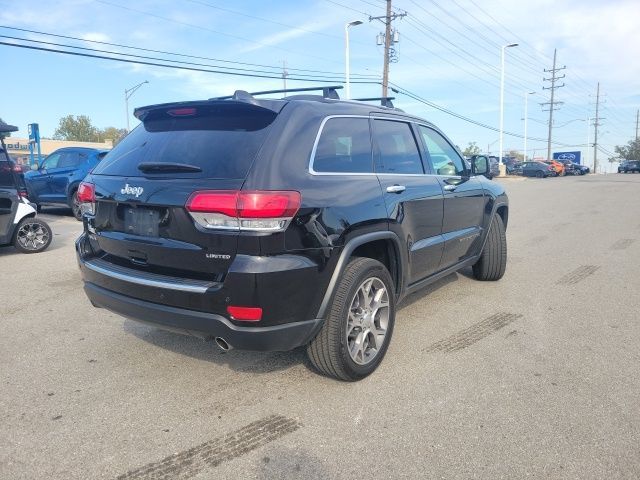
{"x": 181, "y": 112}
{"x": 269, "y": 211}
{"x": 246, "y": 314}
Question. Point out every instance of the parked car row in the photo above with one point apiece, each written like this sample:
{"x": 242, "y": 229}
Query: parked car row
{"x": 629, "y": 166}
{"x": 55, "y": 180}
{"x": 540, "y": 169}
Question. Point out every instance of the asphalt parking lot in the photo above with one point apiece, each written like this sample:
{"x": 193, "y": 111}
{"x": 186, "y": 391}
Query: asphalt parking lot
{"x": 533, "y": 376}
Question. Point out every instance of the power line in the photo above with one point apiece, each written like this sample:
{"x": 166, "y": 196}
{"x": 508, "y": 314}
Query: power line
{"x": 484, "y": 67}
{"x": 164, "y": 65}
{"x": 396, "y": 88}
{"x": 150, "y": 58}
{"x": 217, "y": 32}
{"x": 471, "y": 73}
{"x": 164, "y": 52}
{"x": 348, "y": 8}
{"x": 459, "y": 34}
{"x": 399, "y": 89}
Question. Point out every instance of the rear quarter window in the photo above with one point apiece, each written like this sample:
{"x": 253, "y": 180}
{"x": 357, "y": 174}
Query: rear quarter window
{"x": 344, "y": 146}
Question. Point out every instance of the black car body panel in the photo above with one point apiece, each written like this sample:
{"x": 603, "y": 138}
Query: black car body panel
{"x": 144, "y": 256}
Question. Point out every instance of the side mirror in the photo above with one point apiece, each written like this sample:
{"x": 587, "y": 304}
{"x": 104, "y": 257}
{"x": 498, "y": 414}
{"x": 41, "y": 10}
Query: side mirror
{"x": 480, "y": 166}
{"x": 35, "y": 166}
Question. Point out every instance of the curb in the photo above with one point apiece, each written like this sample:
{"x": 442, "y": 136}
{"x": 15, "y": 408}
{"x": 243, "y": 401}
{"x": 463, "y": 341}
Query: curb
{"x": 510, "y": 177}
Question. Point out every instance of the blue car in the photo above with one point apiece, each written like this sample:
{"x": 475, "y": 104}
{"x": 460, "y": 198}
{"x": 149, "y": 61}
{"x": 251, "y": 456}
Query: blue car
{"x": 56, "y": 180}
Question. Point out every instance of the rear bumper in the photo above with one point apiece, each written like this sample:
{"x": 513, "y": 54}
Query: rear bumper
{"x": 205, "y": 325}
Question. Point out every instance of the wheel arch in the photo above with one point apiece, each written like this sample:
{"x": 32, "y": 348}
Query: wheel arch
{"x": 382, "y": 246}
{"x": 73, "y": 186}
{"x": 503, "y": 211}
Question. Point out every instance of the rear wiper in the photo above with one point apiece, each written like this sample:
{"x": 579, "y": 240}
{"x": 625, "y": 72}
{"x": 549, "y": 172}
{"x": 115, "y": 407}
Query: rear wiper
{"x": 167, "y": 167}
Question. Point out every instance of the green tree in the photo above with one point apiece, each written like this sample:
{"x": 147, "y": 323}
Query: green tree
{"x": 6, "y": 134}
{"x": 517, "y": 155}
{"x": 78, "y": 128}
{"x": 630, "y": 151}
{"x": 472, "y": 149}
{"x": 112, "y": 133}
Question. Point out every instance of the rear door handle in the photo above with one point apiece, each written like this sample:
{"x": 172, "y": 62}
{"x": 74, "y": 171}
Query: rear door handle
{"x": 396, "y": 188}
{"x": 449, "y": 188}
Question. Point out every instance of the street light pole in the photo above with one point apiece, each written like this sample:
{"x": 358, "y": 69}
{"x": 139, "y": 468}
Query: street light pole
{"x": 500, "y": 164}
{"x": 346, "y": 56}
{"x": 586, "y": 150}
{"x": 127, "y": 95}
{"x": 526, "y": 104}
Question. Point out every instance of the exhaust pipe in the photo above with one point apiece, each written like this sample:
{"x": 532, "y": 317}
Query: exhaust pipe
{"x": 222, "y": 343}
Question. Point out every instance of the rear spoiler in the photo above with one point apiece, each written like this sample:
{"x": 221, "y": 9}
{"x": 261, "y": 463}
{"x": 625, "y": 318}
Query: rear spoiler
{"x": 271, "y": 105}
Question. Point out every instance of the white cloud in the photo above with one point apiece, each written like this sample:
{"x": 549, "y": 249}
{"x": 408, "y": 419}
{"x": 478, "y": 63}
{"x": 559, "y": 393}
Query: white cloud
{"x": 288, "y": 35}
{"x": 96, "y": 37}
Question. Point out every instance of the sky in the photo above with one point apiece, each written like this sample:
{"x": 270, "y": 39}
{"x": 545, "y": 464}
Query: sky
{"x": 448, "y": 54}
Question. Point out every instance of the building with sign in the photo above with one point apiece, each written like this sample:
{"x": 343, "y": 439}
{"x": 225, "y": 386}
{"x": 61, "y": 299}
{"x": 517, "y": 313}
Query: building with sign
{"x": 572, "y": 156}
{"x": 18, "y": 148}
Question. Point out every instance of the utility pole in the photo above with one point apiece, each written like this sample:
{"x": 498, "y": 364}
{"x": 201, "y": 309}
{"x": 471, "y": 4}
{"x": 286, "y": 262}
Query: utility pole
{"x": 595, "y": 135}
{"x": 285, "y": 74}
{"x": 127, "y": 94}
{"x": 637, "y": 121}
{"x": 390, "y": 37}
{"x": 552, "y": 103}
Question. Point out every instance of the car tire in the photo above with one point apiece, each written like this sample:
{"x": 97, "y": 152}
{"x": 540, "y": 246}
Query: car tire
{"x": 540, "y": 174}
{"x": 493, "y": 260}
{"x": 32, "y": 235}
{"x": 75, "y": 205}
{"x": 336, "y": 351}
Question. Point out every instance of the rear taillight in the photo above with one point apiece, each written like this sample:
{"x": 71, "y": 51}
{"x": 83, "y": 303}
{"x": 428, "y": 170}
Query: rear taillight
{"x": 87, "y": 197}
{"x": 261, "y": 211}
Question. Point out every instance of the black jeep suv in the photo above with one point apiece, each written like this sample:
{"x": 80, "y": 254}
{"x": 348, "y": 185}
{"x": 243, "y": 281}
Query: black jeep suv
{"x": 268, "y": 224}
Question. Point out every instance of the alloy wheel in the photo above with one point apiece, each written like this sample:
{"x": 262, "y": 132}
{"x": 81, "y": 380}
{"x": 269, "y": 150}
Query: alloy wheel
{"x": 32, "y": 236}
{"x": 368, "y": 321}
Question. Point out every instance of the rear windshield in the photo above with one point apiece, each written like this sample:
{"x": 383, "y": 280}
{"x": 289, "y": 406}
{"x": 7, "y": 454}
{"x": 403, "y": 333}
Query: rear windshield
{"x": 222, "y": 140}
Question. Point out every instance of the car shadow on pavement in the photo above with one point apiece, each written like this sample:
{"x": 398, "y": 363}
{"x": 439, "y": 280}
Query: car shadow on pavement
{"x": 242, "y": 360}
{"x": 8, "y": 250}
{"x": 238, "y": 360}
{"x": 58, "y": 211}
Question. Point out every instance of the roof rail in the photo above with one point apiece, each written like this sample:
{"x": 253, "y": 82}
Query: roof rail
{"x": 327, "y": 92}
{"x": 384, "y": 101}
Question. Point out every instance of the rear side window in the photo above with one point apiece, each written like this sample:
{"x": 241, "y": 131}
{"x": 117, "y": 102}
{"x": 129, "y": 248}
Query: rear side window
{"x": 344, "y": 146}
{"x": 222, "y": 140}
{"x": 398, "y": 152}
{"x": 71, "y": 159}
